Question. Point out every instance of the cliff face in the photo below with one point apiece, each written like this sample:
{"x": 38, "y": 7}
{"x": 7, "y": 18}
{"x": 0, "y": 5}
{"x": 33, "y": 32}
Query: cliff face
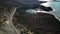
{"x": 40, "y": 23}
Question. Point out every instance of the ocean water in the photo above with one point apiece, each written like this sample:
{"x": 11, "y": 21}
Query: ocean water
{"x": 56, "y": 6}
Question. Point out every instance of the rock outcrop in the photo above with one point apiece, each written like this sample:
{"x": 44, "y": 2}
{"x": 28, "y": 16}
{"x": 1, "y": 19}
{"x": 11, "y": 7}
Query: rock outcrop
{"x": 40, "y": 23}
